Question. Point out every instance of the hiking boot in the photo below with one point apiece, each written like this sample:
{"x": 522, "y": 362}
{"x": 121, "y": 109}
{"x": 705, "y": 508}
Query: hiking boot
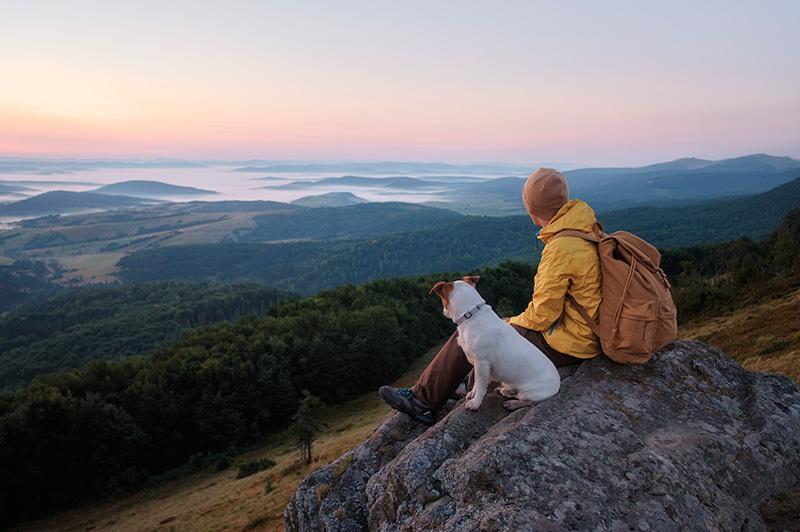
{"x": 404, "y": 400}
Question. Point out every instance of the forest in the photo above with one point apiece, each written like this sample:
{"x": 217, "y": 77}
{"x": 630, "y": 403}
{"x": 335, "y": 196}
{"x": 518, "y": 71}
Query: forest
{"x": 308, "y": 267}
{"x": 25, "y": 280}
{"x": 712, "y": 279}
{"x": 100, "y": 322}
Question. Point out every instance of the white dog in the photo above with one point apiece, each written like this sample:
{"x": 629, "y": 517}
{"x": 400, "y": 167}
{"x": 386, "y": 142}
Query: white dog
{"x": 495, "y": 350}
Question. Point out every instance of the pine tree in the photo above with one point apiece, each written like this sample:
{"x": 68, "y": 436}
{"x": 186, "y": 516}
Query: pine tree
{"x": 307, "y": 423}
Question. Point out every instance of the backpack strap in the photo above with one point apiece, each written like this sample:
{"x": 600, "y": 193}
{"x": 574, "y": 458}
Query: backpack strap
{"x": 585, "y": 315}
{"x": 596, "y": 235}
{"x": 579, "y": 234}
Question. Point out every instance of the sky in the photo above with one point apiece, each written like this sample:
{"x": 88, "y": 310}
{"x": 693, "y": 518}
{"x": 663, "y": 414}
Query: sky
{"x": 613, "y": 82}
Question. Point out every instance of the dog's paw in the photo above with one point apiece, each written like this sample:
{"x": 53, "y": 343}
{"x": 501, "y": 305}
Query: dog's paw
{"x": 516, "y": 404}
{"x": 472, "y": 404}
{"x": 470, "y": 394}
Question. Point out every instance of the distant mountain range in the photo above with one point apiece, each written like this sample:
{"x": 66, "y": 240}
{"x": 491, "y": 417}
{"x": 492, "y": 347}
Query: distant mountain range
{"x": 684, "y": 179}
{"x": 671, "y": 183}
{"x": 151, "y": 189}
{"x": 62, "y": 201}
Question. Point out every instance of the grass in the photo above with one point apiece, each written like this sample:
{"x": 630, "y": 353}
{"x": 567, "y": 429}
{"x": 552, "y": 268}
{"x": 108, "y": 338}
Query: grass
{"x": 218, "y": 500}
{"x": 762, "y": 337}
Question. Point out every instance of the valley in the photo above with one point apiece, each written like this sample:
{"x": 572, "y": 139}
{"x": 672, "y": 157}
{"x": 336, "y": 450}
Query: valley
{"x": 284, "y": 244}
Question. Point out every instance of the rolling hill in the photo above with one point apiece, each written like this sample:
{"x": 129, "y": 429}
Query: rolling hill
{"x": 150, "y": 189}
{"x": 62, "y": 201}
{"x": 330, "y": 199}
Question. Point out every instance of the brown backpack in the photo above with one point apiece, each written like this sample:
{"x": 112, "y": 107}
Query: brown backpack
{"x": 637, "y": 315}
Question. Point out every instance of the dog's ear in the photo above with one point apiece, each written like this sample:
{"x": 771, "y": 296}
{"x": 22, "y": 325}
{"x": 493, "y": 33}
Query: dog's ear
{"x": 442, "y": 288}
{"x": 472, "y": 280}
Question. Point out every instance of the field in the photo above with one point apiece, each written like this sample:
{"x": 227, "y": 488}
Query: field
{"x": 88, "y": 246}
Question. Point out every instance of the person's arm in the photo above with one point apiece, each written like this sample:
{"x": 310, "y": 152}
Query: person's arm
{"x": 550, "y": 289}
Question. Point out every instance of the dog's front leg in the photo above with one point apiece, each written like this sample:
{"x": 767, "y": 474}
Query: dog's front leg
{"x": 482, "y": 372}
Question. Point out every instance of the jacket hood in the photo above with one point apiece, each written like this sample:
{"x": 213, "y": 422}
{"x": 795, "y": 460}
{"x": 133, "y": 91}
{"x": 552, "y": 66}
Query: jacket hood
{"x": 575, "y": 215}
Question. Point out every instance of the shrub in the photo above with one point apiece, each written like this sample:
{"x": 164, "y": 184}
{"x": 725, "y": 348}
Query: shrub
{"x": 254, "y": 466}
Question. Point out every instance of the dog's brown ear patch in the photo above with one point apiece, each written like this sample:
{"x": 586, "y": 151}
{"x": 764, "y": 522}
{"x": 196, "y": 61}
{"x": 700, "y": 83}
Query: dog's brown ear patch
{"x": 472, "y": 280}
{"x": 442, "y": 289}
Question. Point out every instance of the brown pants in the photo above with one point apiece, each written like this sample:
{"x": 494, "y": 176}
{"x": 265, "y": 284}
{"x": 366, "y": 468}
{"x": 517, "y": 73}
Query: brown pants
{"x": 450, "y": 366}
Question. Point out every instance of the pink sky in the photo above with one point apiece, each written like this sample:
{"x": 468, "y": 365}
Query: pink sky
{"x": 594, "y": 83}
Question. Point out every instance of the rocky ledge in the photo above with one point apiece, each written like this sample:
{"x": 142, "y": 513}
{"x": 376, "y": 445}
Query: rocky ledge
{"x": 689, "y": 441}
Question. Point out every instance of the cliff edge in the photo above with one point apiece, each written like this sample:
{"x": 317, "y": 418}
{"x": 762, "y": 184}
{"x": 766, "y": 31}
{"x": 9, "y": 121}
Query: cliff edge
{"x": 688, "y": 441}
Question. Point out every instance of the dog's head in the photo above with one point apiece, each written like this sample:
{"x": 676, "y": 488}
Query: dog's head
{"x": 457, "y": 296}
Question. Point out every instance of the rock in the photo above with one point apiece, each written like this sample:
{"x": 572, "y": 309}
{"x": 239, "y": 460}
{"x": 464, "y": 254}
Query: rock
{"x": 688, "y": 441}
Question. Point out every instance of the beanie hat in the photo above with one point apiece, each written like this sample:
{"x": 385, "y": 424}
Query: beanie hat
{"x": 545, "y": 192}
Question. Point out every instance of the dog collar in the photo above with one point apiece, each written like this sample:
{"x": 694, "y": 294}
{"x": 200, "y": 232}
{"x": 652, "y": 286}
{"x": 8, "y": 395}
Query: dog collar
{"x": 468, "y": 314}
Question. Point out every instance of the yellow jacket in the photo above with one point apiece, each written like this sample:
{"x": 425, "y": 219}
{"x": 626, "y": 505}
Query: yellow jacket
{"x": 568, "y": 266}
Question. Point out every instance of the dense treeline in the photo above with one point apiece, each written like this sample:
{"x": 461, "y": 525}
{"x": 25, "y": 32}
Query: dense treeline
{"x": 713, "y": 278}
{"x": 308, "y": 267}
{"x": 26, "y": 280}
{"x": 105, "y": 322}
{"x": 110, "y": 425}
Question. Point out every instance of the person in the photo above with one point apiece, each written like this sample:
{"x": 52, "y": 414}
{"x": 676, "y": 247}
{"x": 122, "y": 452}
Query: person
{"x": 568, "y": 267}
